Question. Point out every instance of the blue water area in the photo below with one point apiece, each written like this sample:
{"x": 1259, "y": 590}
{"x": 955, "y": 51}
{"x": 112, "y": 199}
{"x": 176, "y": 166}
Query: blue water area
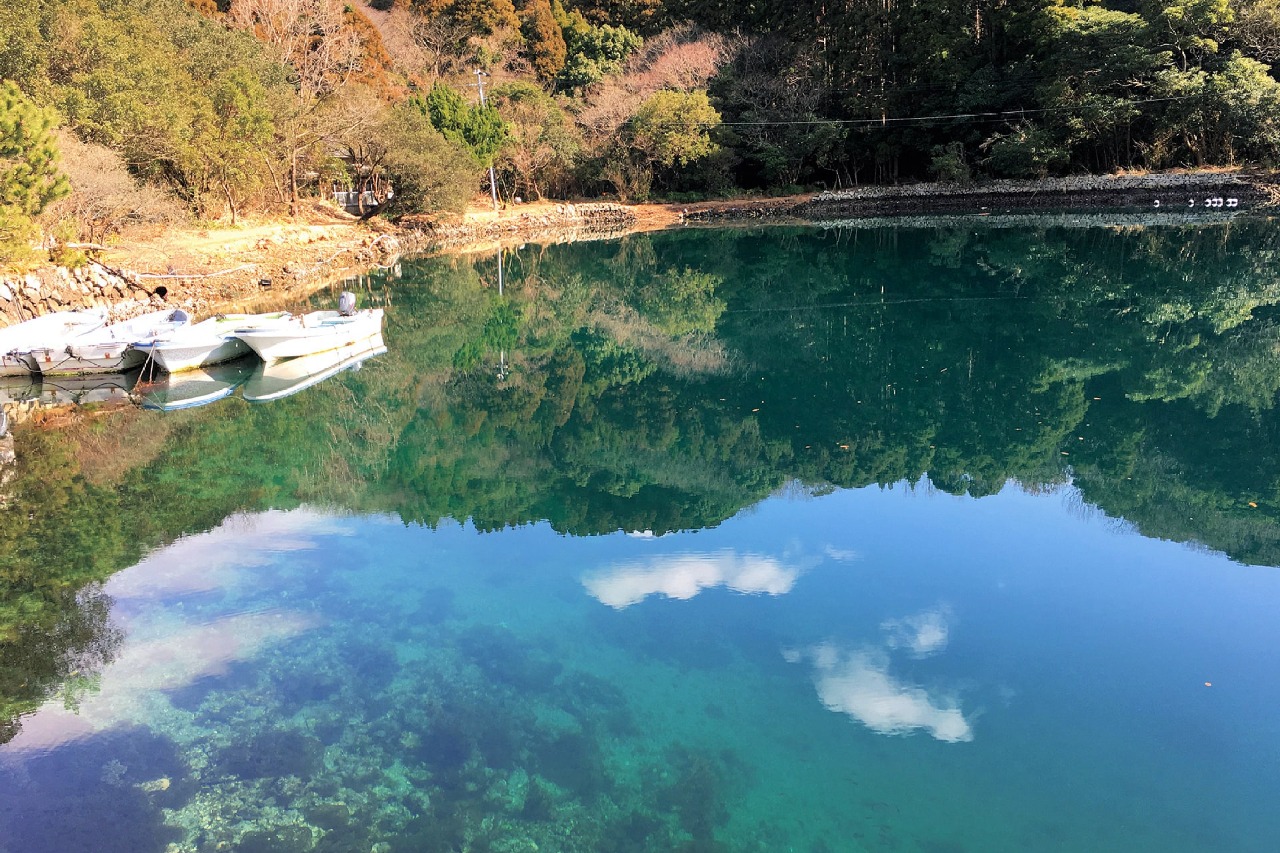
{"x": 941, "y": 537}
{"x": 869, "y": 669}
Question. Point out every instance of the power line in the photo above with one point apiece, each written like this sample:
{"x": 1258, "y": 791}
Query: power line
{"x": 983, "y": 116}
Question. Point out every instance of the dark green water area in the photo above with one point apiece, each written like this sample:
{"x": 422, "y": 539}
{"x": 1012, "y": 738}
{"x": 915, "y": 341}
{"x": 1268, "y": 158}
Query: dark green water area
{"x": 929, "y": 539}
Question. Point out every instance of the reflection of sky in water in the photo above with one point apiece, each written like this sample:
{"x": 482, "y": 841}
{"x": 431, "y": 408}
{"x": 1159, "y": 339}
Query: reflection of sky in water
{"x": 169, "y": 648}
{"x": 685, "y": 575}
{"x": 1042, "y": 672}
{"x": 858, "y": 682}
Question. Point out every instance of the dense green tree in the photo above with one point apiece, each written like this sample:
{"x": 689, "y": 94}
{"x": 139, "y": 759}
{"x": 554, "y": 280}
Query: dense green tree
{"x": 636, "y": 15}
{"x": 593, "y": 52}
{"x": 234, "y": 135}
{"x": 480, "y": 130}
{"x": 674, "y": 128}
{"x": 772, "y": 102}
{"x": 29, "y": 176}
{"x": 428, "y": 170}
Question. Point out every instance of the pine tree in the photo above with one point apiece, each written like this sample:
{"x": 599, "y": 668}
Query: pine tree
{"x": 29, "y": 176}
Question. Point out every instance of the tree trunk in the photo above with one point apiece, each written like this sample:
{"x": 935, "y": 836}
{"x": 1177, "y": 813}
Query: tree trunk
{"x": 231, "y": 202}
{"x": 275, "y": 179}
{"x": 293, "y": 182}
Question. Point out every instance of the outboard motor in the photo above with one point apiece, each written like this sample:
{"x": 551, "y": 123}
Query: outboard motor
{"x": 346, "y": 303}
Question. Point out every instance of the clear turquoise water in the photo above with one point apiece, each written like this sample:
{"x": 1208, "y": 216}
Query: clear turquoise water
{"x": 864, "y": 667}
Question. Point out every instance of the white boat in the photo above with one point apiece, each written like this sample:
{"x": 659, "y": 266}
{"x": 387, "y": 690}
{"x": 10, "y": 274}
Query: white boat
{"x": 110, "y": 348}
{"x": 278, "y": 379}
{"x": 54, "y": 330}
{"x": 317, "y": 331}
{"x": 191, "y": 388}
{"x": 211, "y": 341}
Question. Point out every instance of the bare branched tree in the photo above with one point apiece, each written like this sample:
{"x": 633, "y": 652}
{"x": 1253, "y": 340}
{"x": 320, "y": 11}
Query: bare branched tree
{"x": 105, "y": 200}
{"x": 313, "y": 38}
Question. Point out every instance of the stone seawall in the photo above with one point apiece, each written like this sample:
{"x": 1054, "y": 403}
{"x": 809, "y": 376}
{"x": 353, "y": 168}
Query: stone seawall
{"x": 563, "y": 223}
{"x": 23, "y": 297}
{"x": 1163, "y": 193}
{"x": 281, "y": 271}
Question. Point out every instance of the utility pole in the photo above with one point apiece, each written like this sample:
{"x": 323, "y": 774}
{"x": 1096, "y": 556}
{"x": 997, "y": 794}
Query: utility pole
{"x": 493, "y": 183}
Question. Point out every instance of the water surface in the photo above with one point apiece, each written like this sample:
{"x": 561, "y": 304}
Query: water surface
{"x": 919, "y": 539}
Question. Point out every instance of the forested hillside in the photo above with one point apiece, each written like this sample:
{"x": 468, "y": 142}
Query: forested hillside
{"x": 168, "y": 108}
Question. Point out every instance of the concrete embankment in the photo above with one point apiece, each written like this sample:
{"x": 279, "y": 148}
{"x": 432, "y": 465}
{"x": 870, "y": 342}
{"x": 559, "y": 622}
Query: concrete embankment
{"x": 1158, "y": 194}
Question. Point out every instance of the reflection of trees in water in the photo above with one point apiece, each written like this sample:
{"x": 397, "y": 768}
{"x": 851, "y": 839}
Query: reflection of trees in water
{"x": 61, "y": 654}
{"x": 664, "y": 382}
{"x": 972, "y": 355}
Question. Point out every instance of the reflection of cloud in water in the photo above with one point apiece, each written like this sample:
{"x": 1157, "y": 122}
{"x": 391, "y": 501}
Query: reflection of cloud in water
{"x": 135, "y": 679}
{"x": 209, "y": 561}
{"x": 923, "y": 634}
{"x": 685, "y": 575}
{"x": 165, "y": 649}
{"x": 858, "y": 683}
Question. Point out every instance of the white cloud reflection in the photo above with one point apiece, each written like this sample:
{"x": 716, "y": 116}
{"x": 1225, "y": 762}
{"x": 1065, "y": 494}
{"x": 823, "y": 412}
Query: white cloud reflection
{"x": 683, "y": 576}
{"x": 857, "y": 682}
{"x": 213, "y": 560}
{"x": 167, "y": 648}
{"x": 133, "y": 685}
{"x": 922, "y": 634}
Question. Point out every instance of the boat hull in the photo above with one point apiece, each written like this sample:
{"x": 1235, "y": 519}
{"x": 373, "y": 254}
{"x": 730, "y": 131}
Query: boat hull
{"x": 75, "y": 361}
{"x": 308, "y": 335}
{"x": 208, "y": 342}
{"x": 49, "y": 331}
{"x": 14, "y": 364}
{"x": 279, "y": 379}
{"x": 173, "y": 357}
{"x": 109, "y": 349}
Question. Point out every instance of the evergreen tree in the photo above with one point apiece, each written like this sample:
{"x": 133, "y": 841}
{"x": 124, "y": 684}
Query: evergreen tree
{"x": 478, "y": 129}
{"x": 544, "y": 40}
{"x": 29, "y": 176}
